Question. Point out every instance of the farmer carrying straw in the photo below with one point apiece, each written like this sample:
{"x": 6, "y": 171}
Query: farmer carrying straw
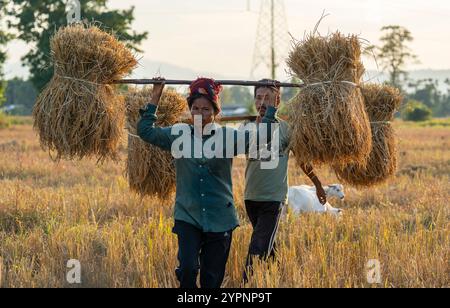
{"x": 205, "y": 215}
{"x": 266, "y": 189}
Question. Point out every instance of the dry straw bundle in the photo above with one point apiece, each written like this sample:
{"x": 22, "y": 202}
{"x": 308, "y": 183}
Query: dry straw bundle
{"x": 382, "y": 102}
{"x": 79, "y": 114}
{"x": 151, "y": 170}
{"x": 328, "y": 118}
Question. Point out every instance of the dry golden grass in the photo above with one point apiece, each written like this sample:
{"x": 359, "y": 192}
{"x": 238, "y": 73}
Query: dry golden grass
{"x": 50, "y": 213}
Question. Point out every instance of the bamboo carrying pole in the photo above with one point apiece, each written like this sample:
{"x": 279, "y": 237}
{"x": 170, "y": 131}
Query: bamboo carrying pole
{"x": 224, "y": 83}
{"x": 221, "y": 82}
{"x": 228, "y": 83}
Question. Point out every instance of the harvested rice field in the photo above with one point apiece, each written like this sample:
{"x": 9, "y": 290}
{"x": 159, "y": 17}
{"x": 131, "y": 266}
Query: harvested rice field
{"x": 52, "y": 212}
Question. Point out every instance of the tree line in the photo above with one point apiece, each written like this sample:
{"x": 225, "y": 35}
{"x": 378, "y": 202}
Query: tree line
{"x": 34, "y": 22}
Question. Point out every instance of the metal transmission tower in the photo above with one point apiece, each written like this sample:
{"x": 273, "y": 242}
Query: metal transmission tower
{"x": 272, "y": 39}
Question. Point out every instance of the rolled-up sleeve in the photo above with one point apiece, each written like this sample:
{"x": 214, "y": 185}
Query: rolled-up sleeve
{"x": 150, "y": 133}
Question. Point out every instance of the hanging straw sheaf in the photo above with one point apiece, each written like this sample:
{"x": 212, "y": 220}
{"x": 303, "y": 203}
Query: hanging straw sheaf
{"x": 150, "y": 170}
{"x": 327, "y": 58}
{"x": 79, "y": 114}
{"x": 382, "y": 102}
{"x": 329, "y": 122}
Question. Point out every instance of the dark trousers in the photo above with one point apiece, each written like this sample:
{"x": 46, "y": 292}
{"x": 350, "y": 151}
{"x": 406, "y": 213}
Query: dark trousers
{"x": 207, "y": 252}
{"x": 265, "y": 219}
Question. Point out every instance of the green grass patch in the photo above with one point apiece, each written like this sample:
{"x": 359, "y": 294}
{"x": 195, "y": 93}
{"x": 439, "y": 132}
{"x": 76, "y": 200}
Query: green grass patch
{"x": 21, "y": 120}
{"x": 436, "y": 123}
{"x": 5, "y": 121}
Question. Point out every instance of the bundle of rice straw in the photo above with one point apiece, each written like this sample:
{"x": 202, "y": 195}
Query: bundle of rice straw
{"x": 151, "y": 170}
{"x": 328, "y": 119}
{"x": 382, "y": 102}
{"x": 79, "y": 114}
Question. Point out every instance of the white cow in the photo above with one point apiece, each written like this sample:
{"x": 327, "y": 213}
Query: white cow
{"x": 304, "y": 199}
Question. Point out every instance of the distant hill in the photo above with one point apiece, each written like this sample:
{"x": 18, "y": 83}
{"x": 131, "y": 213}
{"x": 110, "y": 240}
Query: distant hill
{"x": 146, "y": 69}
{"x": 149, "y": 69}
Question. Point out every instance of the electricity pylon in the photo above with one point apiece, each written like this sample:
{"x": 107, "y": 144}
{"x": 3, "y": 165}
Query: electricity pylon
{"x": 272, "y": 39}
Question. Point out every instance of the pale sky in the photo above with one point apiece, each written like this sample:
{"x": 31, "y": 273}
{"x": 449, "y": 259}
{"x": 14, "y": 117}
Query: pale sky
{"x": 218, "y": 36}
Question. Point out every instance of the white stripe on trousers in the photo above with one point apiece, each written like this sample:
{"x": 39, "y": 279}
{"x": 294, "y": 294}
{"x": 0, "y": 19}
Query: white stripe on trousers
{"x": 273, "y": 237}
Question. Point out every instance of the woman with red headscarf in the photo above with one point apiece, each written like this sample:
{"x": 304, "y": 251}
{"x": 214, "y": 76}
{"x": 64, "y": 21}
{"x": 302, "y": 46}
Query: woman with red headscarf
{"x": 205, "y": 215}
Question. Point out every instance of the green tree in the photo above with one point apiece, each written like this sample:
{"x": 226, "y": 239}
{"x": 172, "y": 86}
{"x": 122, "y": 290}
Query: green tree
{"x": 236, "y": 95}
{"x": 426, "y": 91}
{"x": 4, "y": 39}
{"x": 22, "y": 95}
{"x": 289, "y": 93}
{"x": 416, "y": 111}
{"x": 2, "y": 81}
{"x": 394, "y": 54}
{"x": 446, "y": 103}
{"x": 36, "y": 21}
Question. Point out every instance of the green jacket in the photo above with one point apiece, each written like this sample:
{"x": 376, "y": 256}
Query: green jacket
{"x": 204, "y": 196}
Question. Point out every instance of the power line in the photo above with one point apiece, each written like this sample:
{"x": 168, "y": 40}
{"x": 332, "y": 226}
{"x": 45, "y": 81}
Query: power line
{"x": 272, "y": 39}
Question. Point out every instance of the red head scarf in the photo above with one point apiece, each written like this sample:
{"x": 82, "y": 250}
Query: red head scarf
{"x": 208, "y": 88}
